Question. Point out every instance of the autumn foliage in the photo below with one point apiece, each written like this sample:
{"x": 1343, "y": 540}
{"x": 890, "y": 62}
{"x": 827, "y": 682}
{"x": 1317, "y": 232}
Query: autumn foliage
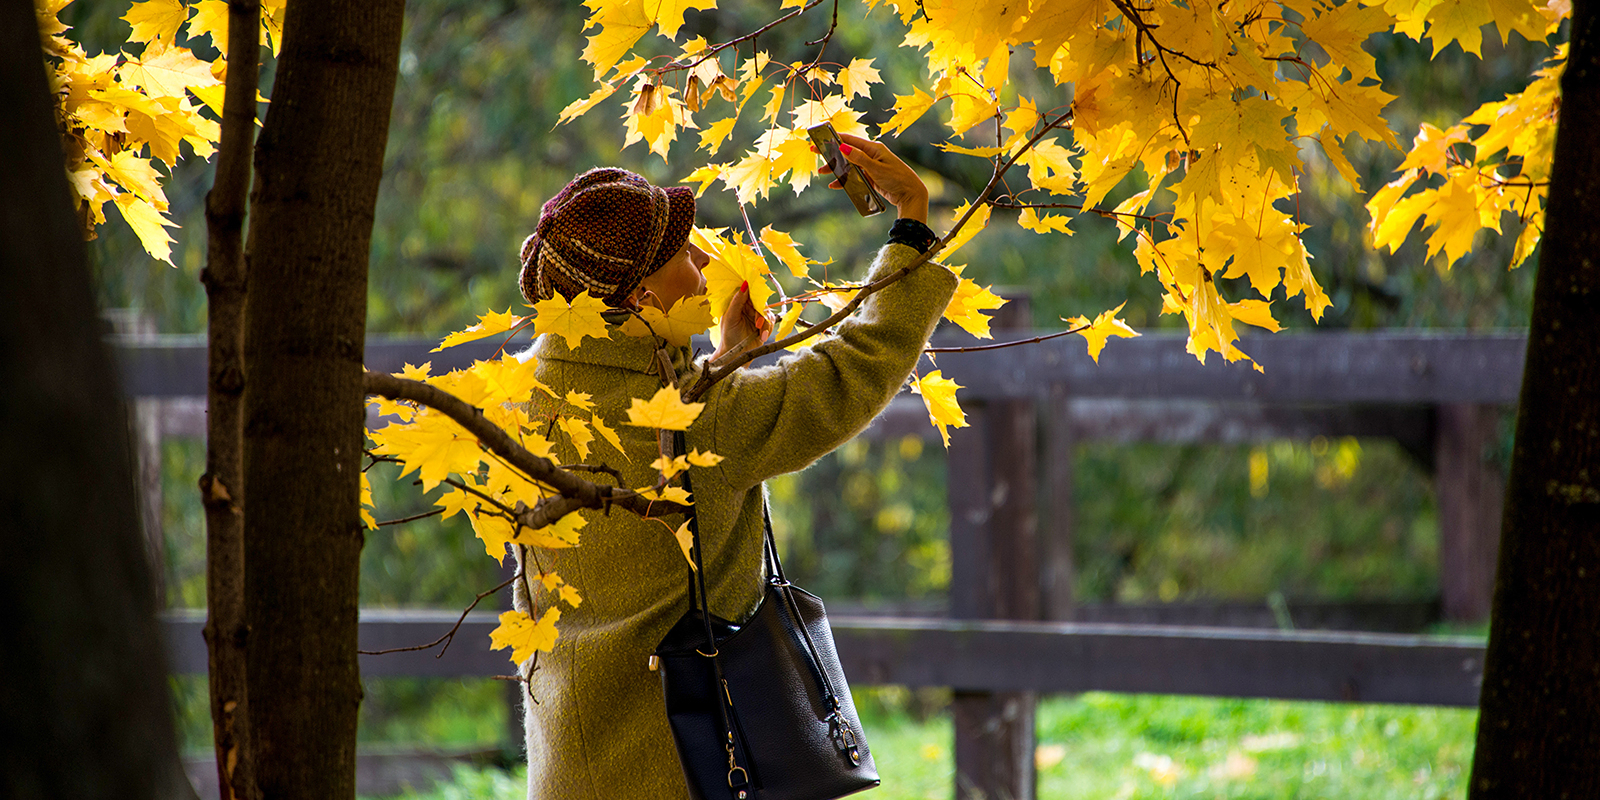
{"x": 1201, "y": 117}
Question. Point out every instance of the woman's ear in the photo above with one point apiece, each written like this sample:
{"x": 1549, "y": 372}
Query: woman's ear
{"x": 642, "y": 296}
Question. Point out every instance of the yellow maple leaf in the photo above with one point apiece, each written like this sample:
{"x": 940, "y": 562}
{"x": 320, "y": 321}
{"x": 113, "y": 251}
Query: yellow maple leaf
{"x": 621, "y": 23}
{"x": 149, "y": 225}
{"x": 712, "y": 139}
{"x": 668, "y": 467}
{"x": 703, "y": 176}
{"x": 700, "y": 459}
{"x": 570, "y": 596}
{"x": 579, "y": 400}
{"x": 507, "y": 380}
{"x": 967, "y": 305}
{"x": 787, "y": 322}
{"x": 939, "y": 395}
{"x": 689, "y": 316}
{"x": 168, "y": 73}
{"x": 1103, "y": 327}
{"x": 366, "y": 503}
{"x": 976, "y": 223}
{"x": 685, "y": 539}
{"x": 155, "y": 20}
{"x": 581, "y": 106}
{"x": 1030, "y": 219}
{"x": 907, "y": 109}
{"x": 562, "y": 534}
{"x": 670, "y": 494}
{"x": 525, "y": 637}
{"x": 858, "y": 77}
{"x": 664, "y": 411}
{"x": 488, "y": 325}
{"x": 732, "y": 265}
{"x": 571, "y": 321}
{"x": 607, "y": 433}
{"x": 211, "y": 19}
{"x": 783, "y": 246}
{"x": 578, "y": 432}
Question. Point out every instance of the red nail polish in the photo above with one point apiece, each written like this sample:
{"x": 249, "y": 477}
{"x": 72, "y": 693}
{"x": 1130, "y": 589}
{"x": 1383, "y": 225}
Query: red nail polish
{"x": 745, "y": 287}
{"x": 846, "y": 149}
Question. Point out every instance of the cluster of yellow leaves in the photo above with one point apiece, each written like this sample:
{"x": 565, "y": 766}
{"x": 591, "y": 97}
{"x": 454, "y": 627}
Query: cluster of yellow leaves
{"x": 120, "y": 113}
{"x": 1504, "y": 169}
{"x": 1208, "y": 106}
{"x": 493, "y": 493}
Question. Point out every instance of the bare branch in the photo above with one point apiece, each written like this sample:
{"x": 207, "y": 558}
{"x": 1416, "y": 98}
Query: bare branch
{"x": 414, "y": 518}
{"x": 449, "y": 635}
{"x": 1002, "y": 345}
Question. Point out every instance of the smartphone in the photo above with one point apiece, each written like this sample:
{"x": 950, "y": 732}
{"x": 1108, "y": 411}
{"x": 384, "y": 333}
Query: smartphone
{"x": 850, "y": 176}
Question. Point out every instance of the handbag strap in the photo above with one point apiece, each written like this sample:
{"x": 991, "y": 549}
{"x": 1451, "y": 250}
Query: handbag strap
{"x": 697, "y": 580}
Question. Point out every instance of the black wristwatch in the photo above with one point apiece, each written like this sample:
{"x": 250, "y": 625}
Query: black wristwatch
{"x": 912, "y": 233}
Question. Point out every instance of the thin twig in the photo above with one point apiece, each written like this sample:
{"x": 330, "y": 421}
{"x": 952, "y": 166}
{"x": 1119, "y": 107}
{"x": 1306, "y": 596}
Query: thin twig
{"x": 449, "y": 635}
{"x": 423, "y": 515}
{"x": 981, "y": 348}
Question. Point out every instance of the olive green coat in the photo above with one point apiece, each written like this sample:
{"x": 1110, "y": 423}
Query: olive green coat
{"x": 598, "y": 729}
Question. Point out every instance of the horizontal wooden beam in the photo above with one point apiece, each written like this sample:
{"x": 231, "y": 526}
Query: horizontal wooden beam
{"x": 1380, "y": 368}
{"x": 1388, "y": 367}
{"x": 1015, "y": 656}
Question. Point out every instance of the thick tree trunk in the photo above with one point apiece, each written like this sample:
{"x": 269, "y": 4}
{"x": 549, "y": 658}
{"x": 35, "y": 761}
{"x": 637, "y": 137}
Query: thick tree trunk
{"x": 1539, "y": 726}
{"x": 318, "y": 163}
{"x": 84, "y": 709}
{"x": 222, "y": 485}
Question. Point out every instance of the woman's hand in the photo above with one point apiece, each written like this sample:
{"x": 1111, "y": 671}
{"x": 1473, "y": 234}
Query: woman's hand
{"x": 743, "y": 328}
{"x": 896, "y": 181}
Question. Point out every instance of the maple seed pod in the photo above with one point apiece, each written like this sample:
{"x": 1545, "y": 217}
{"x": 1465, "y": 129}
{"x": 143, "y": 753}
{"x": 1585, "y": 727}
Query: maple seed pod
{"x": 646, "y": 104}
{"x": 691, "y": 95}
{"x": 725, "y": 86}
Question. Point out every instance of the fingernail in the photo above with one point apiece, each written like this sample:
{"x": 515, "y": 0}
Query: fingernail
{"x": 846, "y": 149}
{"x": 744, "y": 287}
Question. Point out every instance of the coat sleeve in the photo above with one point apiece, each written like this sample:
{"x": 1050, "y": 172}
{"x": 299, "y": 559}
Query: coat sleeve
{"x": 771, "y": 420}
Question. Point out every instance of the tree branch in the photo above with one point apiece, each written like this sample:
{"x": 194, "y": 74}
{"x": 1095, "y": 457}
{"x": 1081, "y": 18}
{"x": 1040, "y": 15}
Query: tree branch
{"x": 1002, "y": 345}
{"x": 574, "y": 492}
{"x": 711, "y": 376}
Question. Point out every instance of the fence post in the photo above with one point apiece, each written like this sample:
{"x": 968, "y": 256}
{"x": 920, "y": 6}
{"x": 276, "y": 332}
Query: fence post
{"x": 1057, "y": 568}
{"x": 1470, "y": 491}
{"x": 144, "y": 426}
{"x": 994, "y": 553}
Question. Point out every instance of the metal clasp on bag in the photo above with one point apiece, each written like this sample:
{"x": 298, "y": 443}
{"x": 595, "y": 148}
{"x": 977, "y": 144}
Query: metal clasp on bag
{"x": 843, "y": 738}
{"x": 743, "y": 779}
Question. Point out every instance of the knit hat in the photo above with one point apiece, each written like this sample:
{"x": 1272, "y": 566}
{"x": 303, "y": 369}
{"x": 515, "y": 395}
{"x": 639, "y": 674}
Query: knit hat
{"x": 604, "y": 232}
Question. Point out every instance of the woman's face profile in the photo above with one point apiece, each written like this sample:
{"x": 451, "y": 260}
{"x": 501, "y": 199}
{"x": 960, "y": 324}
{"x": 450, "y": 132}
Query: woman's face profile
{"x": 679, "y": 278}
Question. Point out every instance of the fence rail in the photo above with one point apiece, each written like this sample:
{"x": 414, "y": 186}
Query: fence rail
{"x": 1001, "y": 656}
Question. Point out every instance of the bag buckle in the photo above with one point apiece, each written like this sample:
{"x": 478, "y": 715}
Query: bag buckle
{"x": 743, "y": 778}
{"x": 843, "y": 738}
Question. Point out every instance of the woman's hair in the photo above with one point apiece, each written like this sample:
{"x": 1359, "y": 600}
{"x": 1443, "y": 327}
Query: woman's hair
{"x": 603, "y": 233}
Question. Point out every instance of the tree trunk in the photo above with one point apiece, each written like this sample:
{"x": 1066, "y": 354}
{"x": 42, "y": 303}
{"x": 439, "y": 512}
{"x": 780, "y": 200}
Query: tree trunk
{"x": 222, "y": 485}
{"x": 1539, "y": 725}
{"x": 318, "y": 163}
{"x": 84, "y": 708}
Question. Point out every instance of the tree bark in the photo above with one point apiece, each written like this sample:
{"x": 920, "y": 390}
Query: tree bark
{"x": 318, "y": 163}
{"x": 222, "y": 485}
{"x": 1539, "y": 723}
{"x": 84, "y": 708}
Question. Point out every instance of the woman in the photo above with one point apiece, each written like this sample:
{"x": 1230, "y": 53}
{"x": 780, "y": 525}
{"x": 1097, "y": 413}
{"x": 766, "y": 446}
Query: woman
{"x": 597, "y": 727}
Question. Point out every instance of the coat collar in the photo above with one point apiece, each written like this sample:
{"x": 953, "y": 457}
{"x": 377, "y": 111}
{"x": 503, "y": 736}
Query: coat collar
{"x": 619, "y": 351}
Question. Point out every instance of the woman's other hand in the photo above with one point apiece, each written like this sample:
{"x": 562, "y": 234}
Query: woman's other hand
{"x": 743, "y": 328}
{"x": 896, "y": 181}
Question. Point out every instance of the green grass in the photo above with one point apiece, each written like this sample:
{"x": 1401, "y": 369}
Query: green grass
{"x": 1139, "y": 747}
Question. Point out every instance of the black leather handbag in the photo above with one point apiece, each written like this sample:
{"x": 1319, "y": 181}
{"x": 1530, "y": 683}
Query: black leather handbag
{"x": 760, "y": 710}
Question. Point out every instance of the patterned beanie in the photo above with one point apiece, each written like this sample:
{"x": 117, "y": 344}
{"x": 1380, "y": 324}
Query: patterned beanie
{"x": 604, "y": 232}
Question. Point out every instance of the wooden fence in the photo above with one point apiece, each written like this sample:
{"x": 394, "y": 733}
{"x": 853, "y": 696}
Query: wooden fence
{"x": 1010, "y": 632}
